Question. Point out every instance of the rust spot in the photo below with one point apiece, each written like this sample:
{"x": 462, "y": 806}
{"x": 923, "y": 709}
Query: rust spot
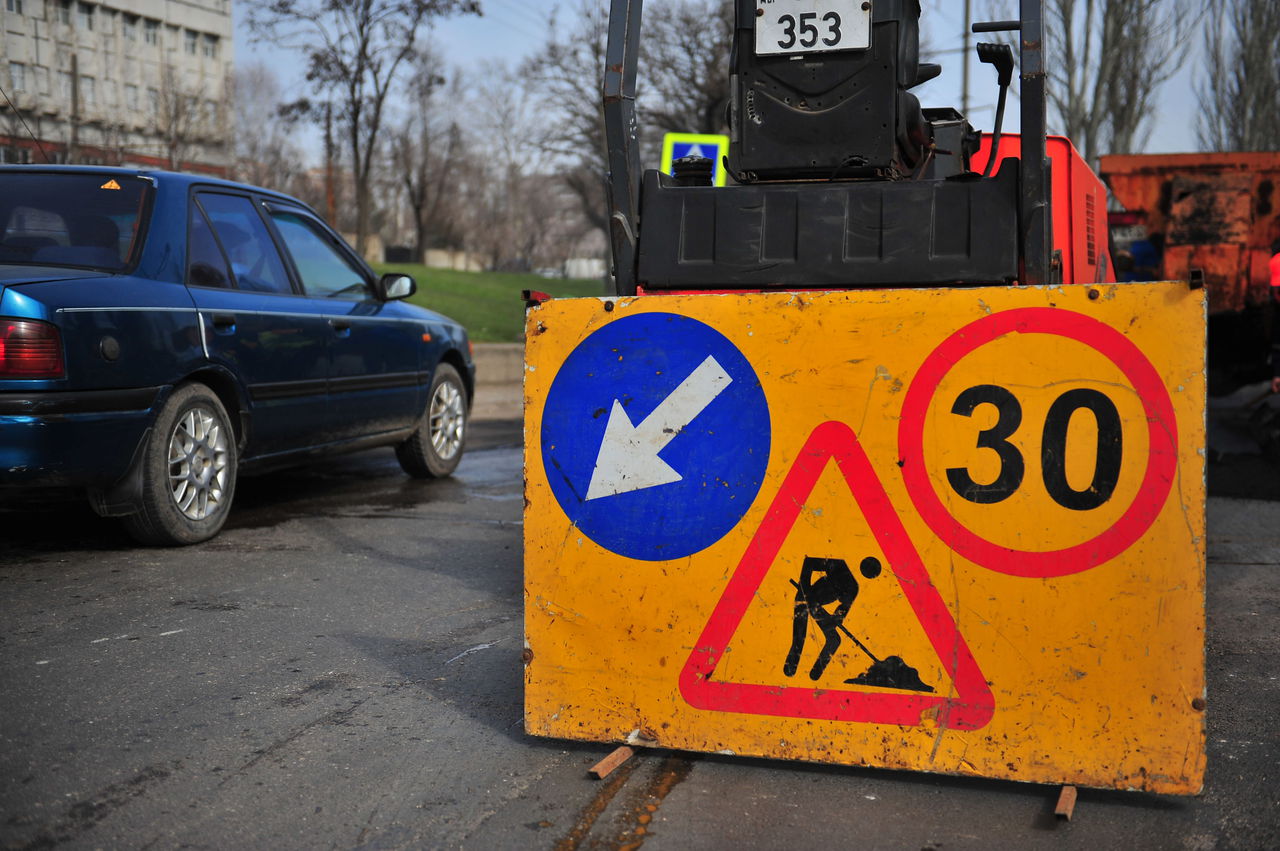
{"x": 1198, "y": 704}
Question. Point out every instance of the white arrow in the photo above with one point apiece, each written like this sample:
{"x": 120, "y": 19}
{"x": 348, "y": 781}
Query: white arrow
{"x": 628, "y": 459}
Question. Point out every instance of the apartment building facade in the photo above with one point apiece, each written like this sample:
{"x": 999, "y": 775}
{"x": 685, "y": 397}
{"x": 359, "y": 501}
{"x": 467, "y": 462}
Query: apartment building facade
{"x": 125, "y": 82}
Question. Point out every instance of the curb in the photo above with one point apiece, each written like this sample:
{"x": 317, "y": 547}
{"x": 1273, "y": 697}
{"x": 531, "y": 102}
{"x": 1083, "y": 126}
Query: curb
{"x": 499, "y": 363}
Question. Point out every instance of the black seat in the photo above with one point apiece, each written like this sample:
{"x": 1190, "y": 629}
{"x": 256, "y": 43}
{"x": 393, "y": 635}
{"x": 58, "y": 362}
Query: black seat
{"x": 95, "y": 241}
{"x": 21, "y": 249}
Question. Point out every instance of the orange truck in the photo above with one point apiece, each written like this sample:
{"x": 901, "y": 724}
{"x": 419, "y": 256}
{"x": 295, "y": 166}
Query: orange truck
{"x": 1211, "y": 217}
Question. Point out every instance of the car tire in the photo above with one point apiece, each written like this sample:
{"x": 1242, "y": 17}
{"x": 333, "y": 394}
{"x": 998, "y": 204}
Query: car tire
{"x": 437, "y": 445}
{"x": 188, "y": 471}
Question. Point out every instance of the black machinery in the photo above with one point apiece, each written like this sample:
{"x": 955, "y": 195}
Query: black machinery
{"x": 842, "y": 179}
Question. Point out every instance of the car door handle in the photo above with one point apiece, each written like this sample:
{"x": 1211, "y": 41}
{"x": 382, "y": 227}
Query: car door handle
{"x": 224, "y": 321}
{"x": 340, "y": 325}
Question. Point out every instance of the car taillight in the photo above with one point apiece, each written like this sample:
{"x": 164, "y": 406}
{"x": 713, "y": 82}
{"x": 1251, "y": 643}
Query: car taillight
{"x": 29, "y": 349}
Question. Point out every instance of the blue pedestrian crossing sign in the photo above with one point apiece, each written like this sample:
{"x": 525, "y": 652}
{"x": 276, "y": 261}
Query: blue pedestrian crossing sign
{"x": 655, "y": 436}
{"x": 713, "y": 147}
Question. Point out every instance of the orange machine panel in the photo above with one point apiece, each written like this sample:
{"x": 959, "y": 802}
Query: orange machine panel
{"x": 1079, "y": 203}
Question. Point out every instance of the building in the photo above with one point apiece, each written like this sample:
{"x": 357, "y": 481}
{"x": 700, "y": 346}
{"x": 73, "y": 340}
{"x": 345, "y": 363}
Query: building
{"x": 126, "y": 82}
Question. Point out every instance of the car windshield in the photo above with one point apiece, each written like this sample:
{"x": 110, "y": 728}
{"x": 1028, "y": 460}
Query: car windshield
{"x": 81, "y": 220}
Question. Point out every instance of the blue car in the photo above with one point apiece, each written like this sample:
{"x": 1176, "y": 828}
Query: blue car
{"x": 160, "y": 333}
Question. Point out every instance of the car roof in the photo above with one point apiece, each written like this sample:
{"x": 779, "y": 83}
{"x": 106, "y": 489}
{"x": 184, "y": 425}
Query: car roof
{"x": 159, "y": 176}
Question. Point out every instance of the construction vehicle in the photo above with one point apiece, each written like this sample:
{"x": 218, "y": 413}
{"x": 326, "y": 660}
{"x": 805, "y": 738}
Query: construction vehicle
{"x": 1213, "y": 218}
{"x": 842, "y": 179}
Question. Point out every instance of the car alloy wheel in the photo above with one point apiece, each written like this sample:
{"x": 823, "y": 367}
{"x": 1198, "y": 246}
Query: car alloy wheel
{"x": 448, "y": 420}
{"x": 188, "y": 470}
{"x": 435, "y": 448}
{"x": 198, "y": 464}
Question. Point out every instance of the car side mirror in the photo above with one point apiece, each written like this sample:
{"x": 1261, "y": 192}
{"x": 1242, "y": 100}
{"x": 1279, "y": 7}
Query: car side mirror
{"x": 395, "y": 285}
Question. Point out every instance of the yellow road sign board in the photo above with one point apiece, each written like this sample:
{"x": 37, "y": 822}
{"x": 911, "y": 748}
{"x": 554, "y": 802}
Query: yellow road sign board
{"x": 958, "y": 531}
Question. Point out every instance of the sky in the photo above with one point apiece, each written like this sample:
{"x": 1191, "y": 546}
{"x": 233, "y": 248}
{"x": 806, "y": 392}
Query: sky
{"x": 513, "y": 29}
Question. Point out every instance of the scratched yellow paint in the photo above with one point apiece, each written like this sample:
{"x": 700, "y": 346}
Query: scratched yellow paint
{"x": 1093, "y": 661}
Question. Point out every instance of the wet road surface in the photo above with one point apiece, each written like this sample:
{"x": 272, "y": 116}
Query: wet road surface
{"x": 341, "y": 668}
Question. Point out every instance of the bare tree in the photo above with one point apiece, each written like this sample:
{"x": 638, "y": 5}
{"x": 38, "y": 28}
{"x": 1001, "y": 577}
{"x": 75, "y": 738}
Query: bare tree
{"x": 567, "y": 74}
{"x": 178, "y": 116}
{"x": 512, "y": 206}
{"x": 686, "y": 65}
{"x": 1239, "y": 88}
{"x": 684, "y": 85}
{"x": 426, "y": 149}
{"x": 355, "y": 51}
{"x": 265, "y": 153}
{"x": 1108, "y": 60}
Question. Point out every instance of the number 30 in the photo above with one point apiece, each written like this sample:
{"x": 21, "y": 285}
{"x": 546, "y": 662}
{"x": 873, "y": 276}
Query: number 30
{"x": 1053, "y": 448}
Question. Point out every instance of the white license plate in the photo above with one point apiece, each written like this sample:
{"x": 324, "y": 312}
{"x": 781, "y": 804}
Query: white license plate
{"x": 811, "y": 26}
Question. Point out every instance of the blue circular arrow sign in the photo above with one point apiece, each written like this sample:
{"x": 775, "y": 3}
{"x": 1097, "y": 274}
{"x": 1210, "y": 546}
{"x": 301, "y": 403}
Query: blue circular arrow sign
{"x": 655, "y": 436}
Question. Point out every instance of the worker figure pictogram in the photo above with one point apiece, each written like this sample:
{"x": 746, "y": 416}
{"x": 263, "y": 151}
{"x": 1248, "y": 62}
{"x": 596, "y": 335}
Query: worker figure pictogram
{"x": 834, "y": 585}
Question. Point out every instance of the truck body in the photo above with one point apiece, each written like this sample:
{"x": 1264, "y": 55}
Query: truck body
{"x": 1210, "y": 217}
{"x": 1215, "y": 213}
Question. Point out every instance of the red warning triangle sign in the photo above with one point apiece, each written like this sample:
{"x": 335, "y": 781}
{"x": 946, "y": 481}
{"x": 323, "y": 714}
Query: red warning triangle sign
{"x": 969, "y": 708}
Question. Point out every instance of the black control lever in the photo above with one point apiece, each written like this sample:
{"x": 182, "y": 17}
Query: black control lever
{"x": 1001, "y": 57}
{"x": 997, "y": 26}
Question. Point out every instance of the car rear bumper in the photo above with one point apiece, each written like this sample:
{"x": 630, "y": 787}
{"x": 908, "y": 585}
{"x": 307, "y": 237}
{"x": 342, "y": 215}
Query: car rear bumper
{"x": 72, "y": 439}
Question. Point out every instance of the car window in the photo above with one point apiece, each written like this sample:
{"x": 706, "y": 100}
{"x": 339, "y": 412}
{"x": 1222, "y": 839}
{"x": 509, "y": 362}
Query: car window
{"x": 85, "y": 220}
{"x": 206, "y": 264}
{"x": 325, "y": 272}
{"x": 255, "y": 265}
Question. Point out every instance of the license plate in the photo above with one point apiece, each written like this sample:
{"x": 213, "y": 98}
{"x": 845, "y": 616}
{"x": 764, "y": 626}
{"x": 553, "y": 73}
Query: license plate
{"x": 811, "y": 26}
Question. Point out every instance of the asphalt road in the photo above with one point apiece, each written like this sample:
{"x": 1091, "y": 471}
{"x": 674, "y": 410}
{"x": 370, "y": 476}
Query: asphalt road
{"x": 341, "y": 668}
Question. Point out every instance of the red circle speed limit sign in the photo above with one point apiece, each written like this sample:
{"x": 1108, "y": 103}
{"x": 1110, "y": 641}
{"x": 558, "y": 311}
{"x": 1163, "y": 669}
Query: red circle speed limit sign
{"x": 1038, "y": 442}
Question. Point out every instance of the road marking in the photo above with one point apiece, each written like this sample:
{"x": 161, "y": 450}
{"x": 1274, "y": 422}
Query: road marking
{"x": 628, "y": 459}
{"x": 471, "y": 650}
{"x": 172, "y": 632}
